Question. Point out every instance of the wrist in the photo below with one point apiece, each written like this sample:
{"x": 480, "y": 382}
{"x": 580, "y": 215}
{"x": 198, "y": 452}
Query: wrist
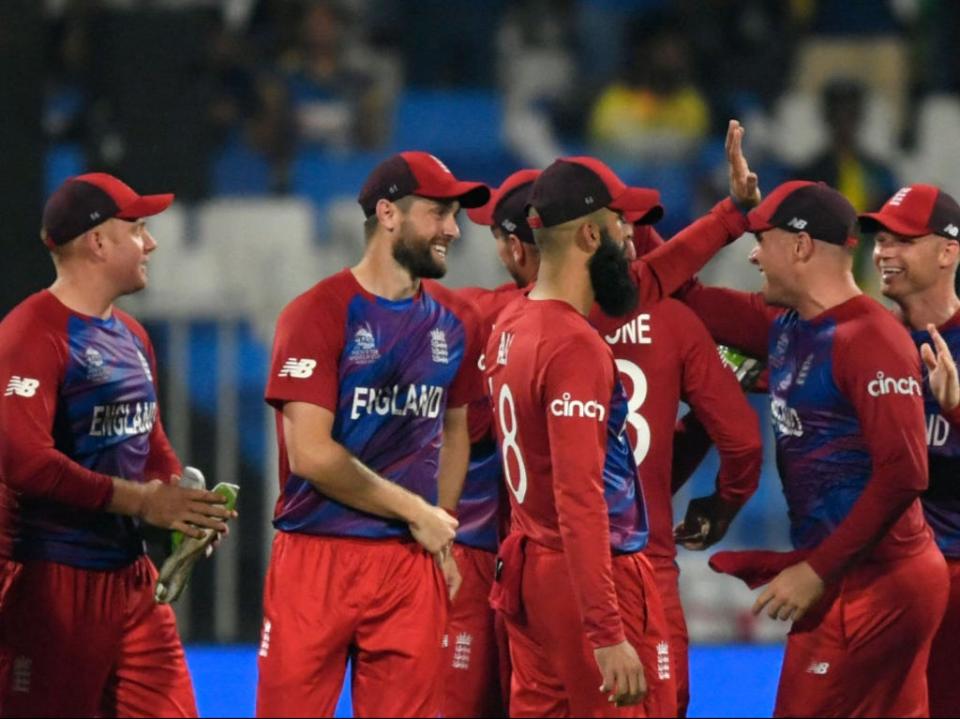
{"x": 451, "y": 512}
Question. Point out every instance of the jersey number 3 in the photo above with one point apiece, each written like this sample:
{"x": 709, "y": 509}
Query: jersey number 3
{"x": 638, "y": 395}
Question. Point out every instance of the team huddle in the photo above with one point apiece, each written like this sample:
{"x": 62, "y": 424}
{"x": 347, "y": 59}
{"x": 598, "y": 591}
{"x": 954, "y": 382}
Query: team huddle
{"x": 476, "y": 485}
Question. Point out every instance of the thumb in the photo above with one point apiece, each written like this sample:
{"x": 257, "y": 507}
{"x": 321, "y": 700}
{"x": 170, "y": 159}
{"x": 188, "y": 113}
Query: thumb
{"x": 929, "y": 358}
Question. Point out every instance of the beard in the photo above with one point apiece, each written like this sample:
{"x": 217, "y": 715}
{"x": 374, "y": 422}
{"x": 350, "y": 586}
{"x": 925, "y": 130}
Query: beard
{"x": 414, "y": 254}
{"x": 613, "y": 287}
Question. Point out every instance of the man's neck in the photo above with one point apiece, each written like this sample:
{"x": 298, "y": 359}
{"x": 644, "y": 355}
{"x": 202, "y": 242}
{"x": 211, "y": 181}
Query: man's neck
{"x": 84, "y": 297}
{"x": 566, "y": 280}
{"x": 826, "y": 292}
{"x": 380, "y": 274}
{"x": 934, "y": 306}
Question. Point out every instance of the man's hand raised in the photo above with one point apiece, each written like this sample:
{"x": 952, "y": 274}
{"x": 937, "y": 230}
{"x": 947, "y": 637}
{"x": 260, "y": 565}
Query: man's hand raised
{"x": 744, "y": 184}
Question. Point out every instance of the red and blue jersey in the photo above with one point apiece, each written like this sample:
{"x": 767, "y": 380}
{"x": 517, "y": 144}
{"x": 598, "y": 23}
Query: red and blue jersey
{"x": 941, "y": 501}
{"x": 79, "y": 406}
{"x": 482, "y": 503}
{"x": 387, "y": 370}
{"x": 846, "y": 404}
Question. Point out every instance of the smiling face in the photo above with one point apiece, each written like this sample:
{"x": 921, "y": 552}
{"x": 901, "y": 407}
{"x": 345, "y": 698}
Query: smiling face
{"x": 427, "y": 229}
{"x": 912, "y": 265}
{"x": 772, "y": 255}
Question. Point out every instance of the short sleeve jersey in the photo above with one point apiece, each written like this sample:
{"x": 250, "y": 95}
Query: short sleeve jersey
{"x": 387, "y": 370}
{"x": 845, "y": 394}
{"x": 79, "y": 402}
{"x": 941, "y": 501}
{"x": 560, "y": 421}
{"x": 480, "y": 502}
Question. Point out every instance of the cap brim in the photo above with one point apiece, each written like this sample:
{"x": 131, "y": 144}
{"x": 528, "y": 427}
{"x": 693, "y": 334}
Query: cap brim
{"x": 469, "y": 194}
{"x": 757, "y": 223}
{"x": 145, "y": 206}
{"x": 651, "y": 216}
{"x": 637, "y": 200}
{"x": 482, "y": 215}
{"x": 876, "y": 221}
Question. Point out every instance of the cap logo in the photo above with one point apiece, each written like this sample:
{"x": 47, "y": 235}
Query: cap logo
{"x": 94, "y": 215}
{"x": 797, "y": 224}
{"x": 901, "y": 195}
{"x": 952, "y": 230}
{"x": 442, "y": 166}
{"x": 588, "y": 200}
{"x": 511, "y": 227}
{"x": 393, "y": 189}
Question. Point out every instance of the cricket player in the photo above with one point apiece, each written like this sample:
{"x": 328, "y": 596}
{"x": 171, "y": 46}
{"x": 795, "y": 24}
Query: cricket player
{"x": 84, "y": 462}
{"x": 915, "y": 251}
{"x": 477, "y": 662}
{"x": 664, "y": 355}
{"x": 866, "y": 587}
{"x": 370, "y": 379}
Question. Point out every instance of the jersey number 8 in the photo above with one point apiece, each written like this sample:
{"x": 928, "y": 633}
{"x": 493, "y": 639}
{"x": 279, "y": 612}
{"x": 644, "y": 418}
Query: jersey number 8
{"x": 509, "y": 445}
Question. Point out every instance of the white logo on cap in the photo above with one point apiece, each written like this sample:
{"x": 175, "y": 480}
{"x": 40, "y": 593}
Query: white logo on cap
{"x": 588, "y": 200}
{"x": 797, "y": 223}
{"x": 952, "y": 230}
{"x": 94, "y": 215}
{"x": 899, "y": 197}
{"x": 392, "y": 189}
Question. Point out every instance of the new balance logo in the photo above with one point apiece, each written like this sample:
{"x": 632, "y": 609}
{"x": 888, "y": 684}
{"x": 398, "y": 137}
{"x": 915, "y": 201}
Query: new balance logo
{"x": 297, "y": 368}
{"x": 797, "y": 224}
{"x": 952, "y": 230}
{"x": 21, "y": 386}
{"x": 818, "y": 668}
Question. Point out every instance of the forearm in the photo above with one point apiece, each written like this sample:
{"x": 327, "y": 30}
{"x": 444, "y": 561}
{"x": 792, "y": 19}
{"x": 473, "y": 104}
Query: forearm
{"x": 333, "y": 471}
{"x": 44, "y": 472}
{"x": 675, "y": 262}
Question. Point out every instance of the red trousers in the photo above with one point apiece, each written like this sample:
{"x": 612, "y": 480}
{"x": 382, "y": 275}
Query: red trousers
{"x": 667, "y": 575}
{"x": 475, "y": 678}
{"x": 554, "y": 670}
{"x": 864, "y": 650}
{"x": 77, "y": 642}
{"x": 943, "y": 672}
{"x": 382, "y": 603}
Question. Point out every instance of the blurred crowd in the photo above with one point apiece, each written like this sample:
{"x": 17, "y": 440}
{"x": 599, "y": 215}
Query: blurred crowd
{"x": 828, "y": 89}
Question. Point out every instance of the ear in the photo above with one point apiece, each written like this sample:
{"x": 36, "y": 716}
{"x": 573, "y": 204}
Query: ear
{"x": 388, "y": 215}
{"x": 949, "y": 253}
{"x": 587, "y": 237}
{"x": 517, "y": 250}
{"x": 803, "y": 247}
{"x": 95, "y": 243}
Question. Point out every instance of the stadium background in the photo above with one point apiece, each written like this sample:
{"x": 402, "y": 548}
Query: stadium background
{"x": 264, "y": 116}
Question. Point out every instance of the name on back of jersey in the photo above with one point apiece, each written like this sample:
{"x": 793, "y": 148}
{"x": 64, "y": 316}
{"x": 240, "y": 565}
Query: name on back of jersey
{"x": 123, "y": 419}
{"x": 398, "y": 401}
{"x": 634, "y": 332}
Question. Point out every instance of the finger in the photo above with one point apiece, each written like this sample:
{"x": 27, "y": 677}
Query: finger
{"x": 761, "y": 602}
{"x": 205, "y": 495}
{"x": 202, "y": 520}
{"x": 187, "y": 530}
{"x": 731, "y": 131}
{"x": 929, "y": 359}
{"x": 606, "y": 682}
{"x": 943, "y": 350}
{"x": 773, "y": 609}
{"x": 210, "y": 510}
{"x": 786, "y": 611}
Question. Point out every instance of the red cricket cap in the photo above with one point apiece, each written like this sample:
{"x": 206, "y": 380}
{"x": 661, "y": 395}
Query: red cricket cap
{"x": 507, "y": 207}
{"x": 811, "y": 207}
{"x": 418, "y": 173}
{"x": 83, "y": 202}
{"x": 914, "y": 211}
{"x": 576, "y": 186}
